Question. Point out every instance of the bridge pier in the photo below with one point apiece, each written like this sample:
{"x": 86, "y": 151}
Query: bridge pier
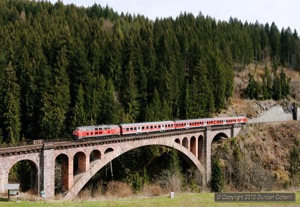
{"x": 210, "y": 134}
{"x": 48, "y": 162}
{"x": 3, "y": 175}
{"x": 208, "y": 141}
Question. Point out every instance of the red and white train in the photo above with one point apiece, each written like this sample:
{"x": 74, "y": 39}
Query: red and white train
{"x": 148, "y": 127}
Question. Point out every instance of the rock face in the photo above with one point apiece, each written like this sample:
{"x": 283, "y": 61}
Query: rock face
{"x": 274, "y": 114}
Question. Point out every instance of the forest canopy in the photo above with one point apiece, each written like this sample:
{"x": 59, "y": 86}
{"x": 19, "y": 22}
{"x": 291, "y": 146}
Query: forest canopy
{"x": 63, "y": 66}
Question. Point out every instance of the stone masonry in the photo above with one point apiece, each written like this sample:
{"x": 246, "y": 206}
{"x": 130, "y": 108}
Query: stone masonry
{"x": 195, "y": 144}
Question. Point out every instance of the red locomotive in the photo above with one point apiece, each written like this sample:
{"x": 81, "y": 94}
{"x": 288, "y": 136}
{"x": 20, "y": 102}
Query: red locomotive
{"x": 96, "y": 131}
{"x": 148, "y": 127}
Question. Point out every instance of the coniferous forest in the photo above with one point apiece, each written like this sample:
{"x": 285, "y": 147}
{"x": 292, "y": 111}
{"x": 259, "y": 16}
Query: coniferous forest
{"x": 63, "y": 66}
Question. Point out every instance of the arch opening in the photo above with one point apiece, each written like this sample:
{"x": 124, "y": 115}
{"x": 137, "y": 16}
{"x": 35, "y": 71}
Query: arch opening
{"x": 79, "y": 163}
{"x": 185, "y": 143}
{"x": 108, "y": 150}
{"x": 201, "y": 148}
{"x": 61, "y": 174}
{"x": 95, "y": 155}
{"x": 193, "y": 145}
{"x": 177, "y": 140}
{"x": 25, "y": 172}
{"x": 219, "y": 138}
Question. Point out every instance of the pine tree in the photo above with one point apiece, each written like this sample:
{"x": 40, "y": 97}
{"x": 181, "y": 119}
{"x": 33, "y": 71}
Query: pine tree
{"x": 285, "y": 86}
{"x": 55, "y": 99}
{"x": 294, "y": 165}
{"x": 217, "y": 179}
{"x": 275, "y": 43}
{"x": 111, "y": 112}
{"x": 154, "y": 110}
{"x": 10, "y": 110}
{"x": 267, "y": 84}
{"x": 79, "y": 114}
{"x": 130, "y": 93}
{"x": 253, "y": 90}
{"x": 276, "y": 88}
{"x": 218, "y": 84}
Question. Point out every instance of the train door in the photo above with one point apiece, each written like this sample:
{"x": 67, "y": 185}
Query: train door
{"x": 139, "y": 130}
{"x": 162, "y": 127}
{"x": 187, "y": 125}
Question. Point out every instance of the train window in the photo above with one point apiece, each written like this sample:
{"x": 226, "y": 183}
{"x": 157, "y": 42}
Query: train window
{"x": 147, "y": 127}
{"x": 134, "y": 128}
{"x": 127, "y": 129}
{"x": 131, "y": 128}
{"x": 151, "y": 127}
{"x": 158, "y": 126}
{"x": 87, "y": 133}
{"x": 143, "y": 127}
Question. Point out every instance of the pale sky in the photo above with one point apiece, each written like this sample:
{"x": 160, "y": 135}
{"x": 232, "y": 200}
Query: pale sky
{"x": 285, "y": 13}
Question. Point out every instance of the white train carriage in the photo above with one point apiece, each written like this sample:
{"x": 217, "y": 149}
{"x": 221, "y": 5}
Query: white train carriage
{"x": 192, "y": 123}
{"x": 146, "y": 127}
{"x": 230, "y": 120}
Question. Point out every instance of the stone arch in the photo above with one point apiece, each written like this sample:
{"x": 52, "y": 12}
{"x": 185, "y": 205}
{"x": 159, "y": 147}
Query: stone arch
{"x": 201, "y": 147}
{"x": 193, "y": 145}
{"x": 185, "y": 142}
{"x": 62, "y": 169}
{"x": 79, "y": 163}
{"x": 219, "y": 137}
{"x": 177, "y": 140}
{"x": 29, "y": 181}
{"x": 95, "y": 155}
{"x": 121, "y": 150}
{"x": 108, "y": 150}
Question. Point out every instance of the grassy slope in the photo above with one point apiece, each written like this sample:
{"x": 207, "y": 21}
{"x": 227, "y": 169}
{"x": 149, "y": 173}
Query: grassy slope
{"x": 186, "y": 199}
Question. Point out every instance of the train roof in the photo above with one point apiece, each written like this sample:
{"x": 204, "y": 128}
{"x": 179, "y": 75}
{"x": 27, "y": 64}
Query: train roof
{"x": 229, "y": 118}
{"x": 210, "y": 119}
{"x": 194, "y": 120}
{"x": 98, "y": 126}
{"x": 146, "y": 123}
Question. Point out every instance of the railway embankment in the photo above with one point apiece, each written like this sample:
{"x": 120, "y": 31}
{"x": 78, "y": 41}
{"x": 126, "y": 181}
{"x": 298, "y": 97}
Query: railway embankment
{"x": 274, "y": 114}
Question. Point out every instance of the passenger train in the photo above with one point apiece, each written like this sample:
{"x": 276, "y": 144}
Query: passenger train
{"x": 149, "y": 127}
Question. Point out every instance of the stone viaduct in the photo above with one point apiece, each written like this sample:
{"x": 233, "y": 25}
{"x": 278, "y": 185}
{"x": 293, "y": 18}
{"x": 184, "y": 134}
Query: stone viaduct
{"x": 92, "y": 155}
